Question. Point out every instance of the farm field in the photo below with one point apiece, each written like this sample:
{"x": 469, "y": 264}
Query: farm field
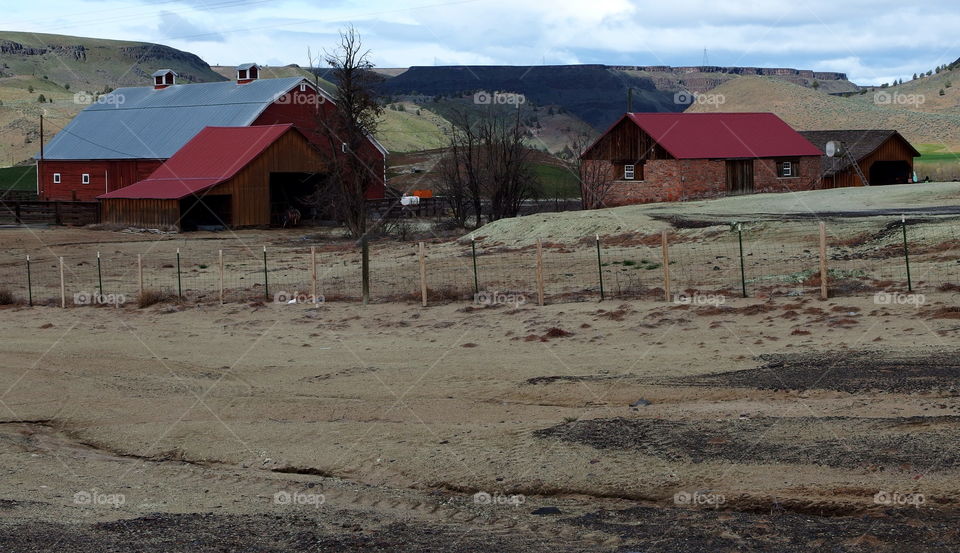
{"x": 711, "y": 422}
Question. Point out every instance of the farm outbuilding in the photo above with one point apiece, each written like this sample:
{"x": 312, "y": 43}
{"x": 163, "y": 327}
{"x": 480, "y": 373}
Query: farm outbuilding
{"x": 125, "y": 136}
{"x": 225, "y": 176}
{"x": 884, "y": 157}
{"x": 660, "y": 157}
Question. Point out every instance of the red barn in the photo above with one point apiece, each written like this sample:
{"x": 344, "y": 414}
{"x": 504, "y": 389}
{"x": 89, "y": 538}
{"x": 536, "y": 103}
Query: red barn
{"x": 663, "y": 157}
{"x": 124, "y": 136}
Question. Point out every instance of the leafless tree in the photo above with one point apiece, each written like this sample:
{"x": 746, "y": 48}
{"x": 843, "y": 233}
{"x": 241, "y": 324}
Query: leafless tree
{"x": 347, "y": 130}
{"x": 595, "y": 176}
{"x": 487, "y": 160}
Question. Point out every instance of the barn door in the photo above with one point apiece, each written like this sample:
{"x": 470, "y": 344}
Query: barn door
{"x": 740, "y": 176}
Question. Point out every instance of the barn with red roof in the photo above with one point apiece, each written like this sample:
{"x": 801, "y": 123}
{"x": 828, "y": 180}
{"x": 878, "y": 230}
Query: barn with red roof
{"x": 203, "y": 151}
{"x": 661, "y": 157}
{"x": 236, "y": 176}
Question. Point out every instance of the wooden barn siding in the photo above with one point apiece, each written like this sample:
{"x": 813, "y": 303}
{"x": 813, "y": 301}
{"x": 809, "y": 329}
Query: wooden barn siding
{"x": 148, "y": 213}
{"x": 302, "y": 109}
{"x": 893, "y": 149}
{"x": 627, "y": 143}
{"x": 250, "y": 188}
{"x": 105, "y": 176}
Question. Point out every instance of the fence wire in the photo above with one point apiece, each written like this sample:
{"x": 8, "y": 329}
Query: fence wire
{"x": 760, "y": 259}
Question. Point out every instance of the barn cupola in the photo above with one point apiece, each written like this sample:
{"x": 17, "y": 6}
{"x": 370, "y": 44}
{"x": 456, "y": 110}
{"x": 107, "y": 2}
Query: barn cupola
{"x": 247, "y": 72}
{"x": 164, "y": 78}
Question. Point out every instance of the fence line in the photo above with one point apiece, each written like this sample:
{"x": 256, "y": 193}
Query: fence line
{"x": 752, "y": 259}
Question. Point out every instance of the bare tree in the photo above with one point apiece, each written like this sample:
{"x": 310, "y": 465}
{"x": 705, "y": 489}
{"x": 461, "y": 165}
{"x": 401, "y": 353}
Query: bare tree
{"x": 487, "y": 160}
{"x": 596, "y": 176}
{"x": 461, "y": 169}
{"x": 354, "y": 167}
{"x": 508, "y": 175}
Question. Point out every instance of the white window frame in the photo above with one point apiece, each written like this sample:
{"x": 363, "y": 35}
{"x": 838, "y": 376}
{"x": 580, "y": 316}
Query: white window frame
{"x": 786, "y": 168}
{"x": 629, "y": 172}
{"x": 303, "y": 87}
{"x": 85, "y": 178}
{"x": 56, "y": 178}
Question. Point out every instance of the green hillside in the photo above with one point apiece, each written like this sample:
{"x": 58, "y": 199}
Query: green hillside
{"x": 41, "y": 73}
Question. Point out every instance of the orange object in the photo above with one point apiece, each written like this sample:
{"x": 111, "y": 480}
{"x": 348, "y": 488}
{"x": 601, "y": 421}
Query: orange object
{"x": 423, "y": 193}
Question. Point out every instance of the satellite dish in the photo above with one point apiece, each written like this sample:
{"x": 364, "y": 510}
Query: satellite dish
{"x": 833, "y": 148}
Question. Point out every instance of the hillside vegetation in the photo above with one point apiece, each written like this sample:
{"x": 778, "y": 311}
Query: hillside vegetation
{"x": 807, "y": 109}
{"x": 58, "y": 67}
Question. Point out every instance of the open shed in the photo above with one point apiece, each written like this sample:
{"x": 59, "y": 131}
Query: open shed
{"x": 884, "y": 157}
{"x": 224, "y": 176}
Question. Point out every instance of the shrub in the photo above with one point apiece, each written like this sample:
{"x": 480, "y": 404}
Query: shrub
{"x": 152, "y": 297}
{"x": 6, "y": 297}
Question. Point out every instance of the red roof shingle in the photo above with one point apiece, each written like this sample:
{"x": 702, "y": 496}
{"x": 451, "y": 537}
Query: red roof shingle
{"x": 213, "y": 156}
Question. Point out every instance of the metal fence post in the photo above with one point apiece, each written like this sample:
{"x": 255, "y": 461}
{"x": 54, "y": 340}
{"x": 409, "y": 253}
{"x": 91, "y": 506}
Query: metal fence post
{"x": 99, "y": 275}
{"x": 906, "y": 253}
{"x": 743, "y": 272}
{"x": 365, "y": 269}
{"x": 476, "y": 280}
{"x": 266, "y": 282}
{"x": 29, "y": 284}
{"x": 179, "y": 281}
{"x": 600, "y": 268}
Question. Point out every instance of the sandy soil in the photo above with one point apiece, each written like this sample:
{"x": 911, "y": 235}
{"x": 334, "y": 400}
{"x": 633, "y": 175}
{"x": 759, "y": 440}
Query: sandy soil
{"x": 778, "y": 422}
{"x": 763, "y": 426}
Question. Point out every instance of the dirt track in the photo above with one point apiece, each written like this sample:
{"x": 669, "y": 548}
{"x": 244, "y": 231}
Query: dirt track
{"x": 199, "y": 415}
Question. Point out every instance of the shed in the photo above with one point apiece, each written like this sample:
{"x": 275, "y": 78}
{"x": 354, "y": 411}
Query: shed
{"x": 884, "y": 156}
{"x": 224, "y": 176}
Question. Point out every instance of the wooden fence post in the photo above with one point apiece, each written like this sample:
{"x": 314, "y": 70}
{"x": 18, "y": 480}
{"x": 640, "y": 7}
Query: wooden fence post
{"x": 140, "y": 273}
{"x": 220, "y": 266}
{"x": 665, "y": 246}
{"x": 63, "y": 287}
{"x": 824, "y": 294}
{"x": 423, "y": 276}
{"x": 313, "y": 273}
{"x": 539, "y": 272}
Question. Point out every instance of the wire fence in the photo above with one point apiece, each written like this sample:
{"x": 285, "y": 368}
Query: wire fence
{"x": 760, "y": 259}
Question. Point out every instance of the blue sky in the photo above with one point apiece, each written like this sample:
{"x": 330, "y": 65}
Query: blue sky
{"x": 872, "y": 41}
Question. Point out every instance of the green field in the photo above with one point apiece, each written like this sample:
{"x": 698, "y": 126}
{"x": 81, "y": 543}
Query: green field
{"x": 557, "y": 182}
{"x": 18, "y": 178}
{"x": 938, "y": 163}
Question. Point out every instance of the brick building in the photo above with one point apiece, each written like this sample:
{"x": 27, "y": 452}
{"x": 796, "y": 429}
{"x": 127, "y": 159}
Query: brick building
{"x": 664, "y": 157}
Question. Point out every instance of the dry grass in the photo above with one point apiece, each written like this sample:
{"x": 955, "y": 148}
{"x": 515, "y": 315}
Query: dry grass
{"x": 152, "y": 297}
{"x": 7, "y": 297}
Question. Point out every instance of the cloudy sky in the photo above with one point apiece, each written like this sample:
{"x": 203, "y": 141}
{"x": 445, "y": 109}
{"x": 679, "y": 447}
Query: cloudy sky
{"x": 872, "y": 41}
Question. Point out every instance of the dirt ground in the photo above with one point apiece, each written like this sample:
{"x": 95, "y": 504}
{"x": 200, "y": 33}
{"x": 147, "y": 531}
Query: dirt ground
{"x": 779, "y": 422}
{"x": 638, "y": 426}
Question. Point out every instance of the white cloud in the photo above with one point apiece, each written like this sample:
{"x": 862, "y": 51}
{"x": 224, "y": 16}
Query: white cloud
{"x": 871, "y": 40}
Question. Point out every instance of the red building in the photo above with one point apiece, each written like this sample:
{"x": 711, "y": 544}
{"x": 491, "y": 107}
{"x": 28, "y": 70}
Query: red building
{"x": 123, "y": 137}
{"x": 664, "y": 157}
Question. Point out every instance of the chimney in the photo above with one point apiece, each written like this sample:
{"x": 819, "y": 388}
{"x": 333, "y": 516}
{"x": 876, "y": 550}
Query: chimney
{"x": 248, "y": 72}
{"x": 164, "y": 78}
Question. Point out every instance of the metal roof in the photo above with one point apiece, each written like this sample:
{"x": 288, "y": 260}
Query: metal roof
{"x": 860, "y": 144}
{"x": 719, "y": 135}
{"x": 243, "y": 66}
{"x": 145, "y": 123}
{"x": 213, "y": 156}
{"x": 161, "y": 72}
{"x": 723, "y": 135}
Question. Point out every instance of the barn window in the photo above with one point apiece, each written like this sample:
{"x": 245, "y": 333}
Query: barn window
{"x": 303, "y": 87}
{"x": 787, "y": 168}
{"x": 629, "y": 172}
{"x": 85, "y": 179}
{"x": 242, "y": 74}
{"x": 56, "y": 178}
